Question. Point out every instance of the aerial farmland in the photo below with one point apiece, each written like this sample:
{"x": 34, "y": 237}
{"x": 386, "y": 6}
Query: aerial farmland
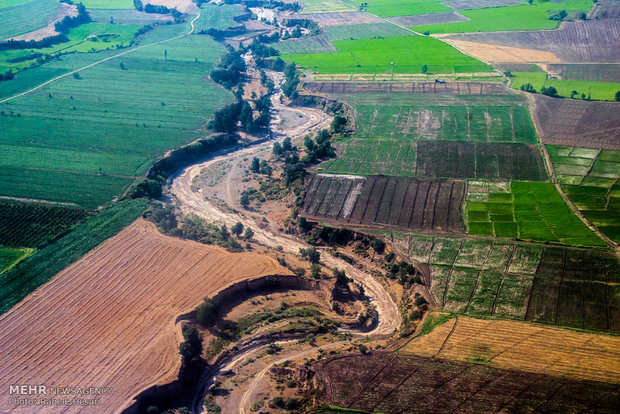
{"x": 309, "y": 206}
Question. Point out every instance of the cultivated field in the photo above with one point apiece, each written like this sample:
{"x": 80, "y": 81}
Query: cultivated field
{"x": 386, "y": 202}
{"x": 551, "y": 285}
{"x": 109, "y": 4}
{"x": 127, "y": 16}
{"x": 603, "y": 91}
{"x": 501, "y": 54}
{"x": 365, "y": 31}
{"x": 23, "y": 17}
{"x": 160, "y": 100}
{"x": 341, "y": 18}
{"x": 9, "y": 257}
{"x": 520, "y": 17}
{"x": 122, "y": 298}
{"x": 219, "y": 17}
{"x": 452, "y": 88}
{"x": 479, "y": 4}
{"x": 524, "y": 347}
{"x": 607, "y": 72}
{"x": 590, "y": 179}
{"x": 574, "y": 123}
{"x": 526, "y": 211}
{"x": 326, "y": 6}
{"x": 438, "y": 159}
{"x": 605, "y": 9}
{"x": 390, "y": 8}
{"x": 391, "y": 383}
{"x": 37, "y": 269}
{"x": 396, "y": 55}
{"x": 424, "y": 19}
{"x": 35, "y": 224}
{"x": 574, "y": 42}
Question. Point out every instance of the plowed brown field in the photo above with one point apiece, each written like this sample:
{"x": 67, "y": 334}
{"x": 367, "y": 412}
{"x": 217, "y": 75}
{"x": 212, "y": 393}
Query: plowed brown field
{"x": 110, "y": 319}
{"x": 525, "y": 347}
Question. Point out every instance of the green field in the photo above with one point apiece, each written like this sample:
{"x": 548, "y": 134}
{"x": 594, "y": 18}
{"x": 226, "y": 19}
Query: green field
{"x": 389, "y": 55}
{"x": 18, "y": 17}
{"x": 447, "y": 123}
{"x": 89, "y": 37}
{"x": 526, "y": 211}
{"x": 327, "y": 6}
{"x": 218, "y": 17}
{"x": 365, "y": 31}
{"x": 590, "y": 179}
{"x": 9, "y": 257}
{"x": 108, "y": 4}
{"x": 37, "y": 269}
{"x": 603, "y": 91}
{"x": 559, "y": 286}
{"x": 35, "y": 224}
{"x": 130, "y": 117}
{"x": 520, "y": 17}
{"x": 391, "y": 8}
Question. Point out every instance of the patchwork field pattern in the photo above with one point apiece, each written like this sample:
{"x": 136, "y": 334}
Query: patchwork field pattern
{"x": 391, "y": 55}
{"x": 590, "y": 179}
{"x": 383, "y": 201}
{"x": 575, "y": 42}
{"x": 35, "y": 224}
{"x": 385, "y": 382}
{"x": 527, "y": 211}
{"x": 524, "y": 347}
{"x": 550, "y": 285}
{"x": 575, "y": 123}
{"x": 116, "y": 112}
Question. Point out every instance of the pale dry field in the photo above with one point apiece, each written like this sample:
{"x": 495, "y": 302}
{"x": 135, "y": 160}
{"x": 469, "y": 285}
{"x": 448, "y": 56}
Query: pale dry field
{"x": 523, "y": 346}
{"x": 110, "y": 319}
{"x": 184, "y": 6}
{"x": 501, "y": 54}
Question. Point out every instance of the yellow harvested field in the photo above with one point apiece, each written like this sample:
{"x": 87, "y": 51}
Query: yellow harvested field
{"x": 110, "y": 319}
{"x": 502, "y": 54}
{"x": 523, "y": 346}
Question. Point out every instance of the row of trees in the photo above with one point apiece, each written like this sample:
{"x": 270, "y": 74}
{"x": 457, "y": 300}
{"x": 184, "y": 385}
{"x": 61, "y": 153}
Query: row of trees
{"x": 68, "y": 22}
{"x": 229, "y": 72}
{"x": 241, "y": 114}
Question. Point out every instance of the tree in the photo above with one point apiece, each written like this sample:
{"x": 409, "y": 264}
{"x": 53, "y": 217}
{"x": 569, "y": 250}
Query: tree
{"x": 166, "y": 54}
{"x": 311, "y": 254}
{"x": 378, "y": 245}
{"x": 573, "y": 94}
{"x": 617, "y": 96}
{"x": 237, "y": 229}
{"x": 265, "y": 168}
{"x": 244, "y": 200}
{"x": 255, "y": 166}
{"x": 122, "y": 66}
{"x": 248, "y": 234}
{"x": 277, "y": 149}
{"x": 315, "y": 271}
{"x": 549, "y": 91}
{"x": 530, "y": 1}
{"x": 206, "y": 312}
{"x": 424, "y": 68}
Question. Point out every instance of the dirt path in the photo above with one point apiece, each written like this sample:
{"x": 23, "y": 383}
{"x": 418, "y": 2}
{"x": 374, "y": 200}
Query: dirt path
{"x": 191, "y": 23}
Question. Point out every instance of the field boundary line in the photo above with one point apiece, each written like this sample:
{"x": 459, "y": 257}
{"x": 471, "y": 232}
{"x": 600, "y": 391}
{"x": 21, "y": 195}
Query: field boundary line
{"x": 477, "y": 390}
{"x": 557, "y": 305}
{"x": 445, "y": 292}
{"x": 501, "y": 283}
{"x": 473, "y": 291}
{"x": 101, "y": 61}
{"x": 369, "y": 382}
{"x": 519, "y": 394}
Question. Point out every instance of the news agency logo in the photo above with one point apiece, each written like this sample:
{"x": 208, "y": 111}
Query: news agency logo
{"x": 46, "y": 396}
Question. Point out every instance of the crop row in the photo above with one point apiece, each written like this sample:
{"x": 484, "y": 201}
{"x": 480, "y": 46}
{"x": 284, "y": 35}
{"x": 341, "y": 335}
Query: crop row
{"x": 550, "y": 285}
{"x": 35, "y": 224}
